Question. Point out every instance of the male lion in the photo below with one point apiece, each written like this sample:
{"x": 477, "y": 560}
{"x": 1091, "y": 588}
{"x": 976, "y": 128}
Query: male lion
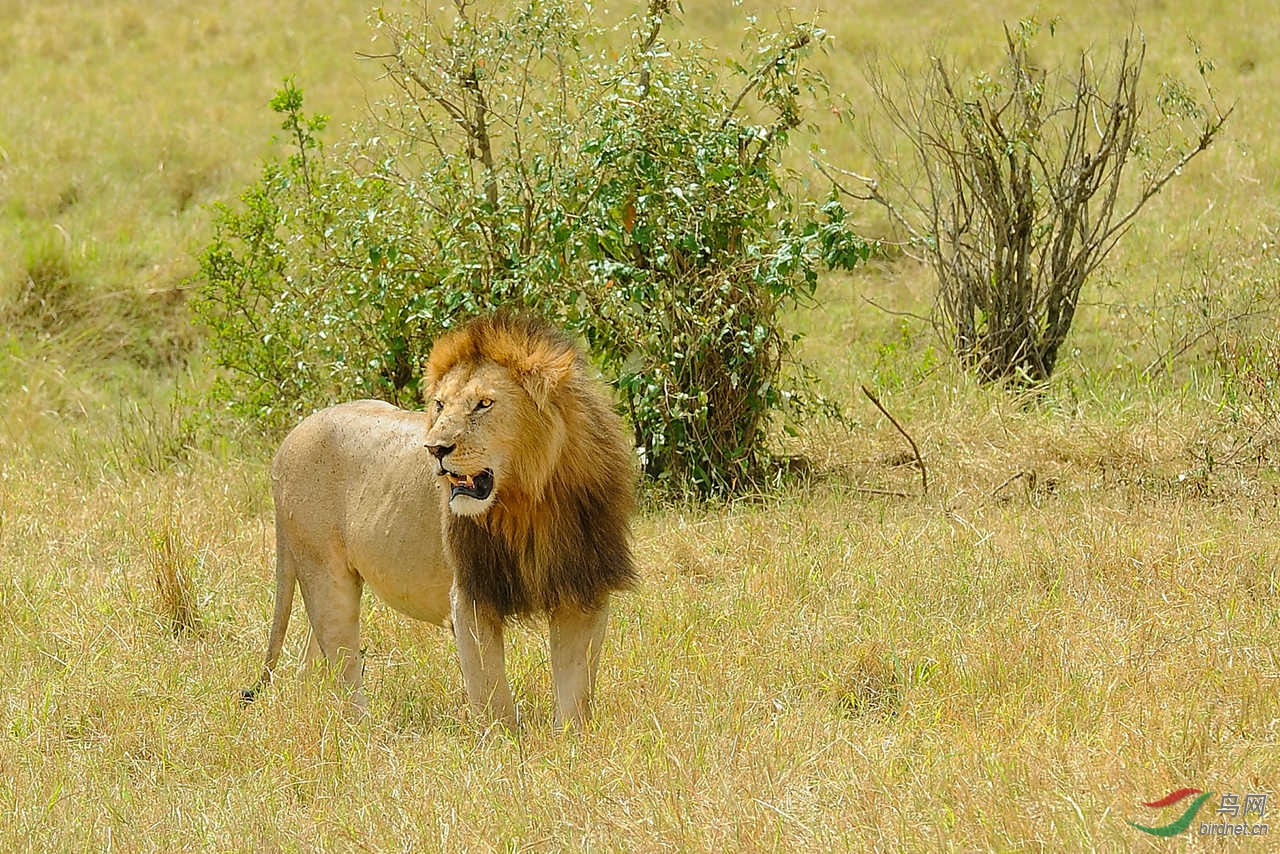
{"x": 511, "y": 496}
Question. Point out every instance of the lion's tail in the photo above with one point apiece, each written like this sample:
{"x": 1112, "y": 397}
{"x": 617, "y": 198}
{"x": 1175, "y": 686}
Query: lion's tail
{"x": 286, "y": 582}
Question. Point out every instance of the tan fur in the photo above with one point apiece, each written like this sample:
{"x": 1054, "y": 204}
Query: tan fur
{"x": 363, "y": 495}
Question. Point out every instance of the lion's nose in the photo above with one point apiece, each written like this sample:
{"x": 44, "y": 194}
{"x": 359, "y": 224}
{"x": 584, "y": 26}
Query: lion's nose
{"x": 440, "y": 451}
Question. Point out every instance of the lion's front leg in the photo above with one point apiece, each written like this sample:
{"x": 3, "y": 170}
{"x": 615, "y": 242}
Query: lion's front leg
{"x": 478, "y": 630}
{"x": 576, "y": 638}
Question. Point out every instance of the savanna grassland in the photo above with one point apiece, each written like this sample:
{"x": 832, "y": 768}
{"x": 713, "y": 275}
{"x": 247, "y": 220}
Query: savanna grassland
{"x": 1080, "y": 615}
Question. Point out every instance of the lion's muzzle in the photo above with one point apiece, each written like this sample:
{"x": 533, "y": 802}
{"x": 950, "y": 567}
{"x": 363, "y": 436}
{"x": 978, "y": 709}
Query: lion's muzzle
{"x": 478, "y": 486}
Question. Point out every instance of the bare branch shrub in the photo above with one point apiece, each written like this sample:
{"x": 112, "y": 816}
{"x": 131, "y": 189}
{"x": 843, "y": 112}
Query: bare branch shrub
{"x": 1021, "y": 182}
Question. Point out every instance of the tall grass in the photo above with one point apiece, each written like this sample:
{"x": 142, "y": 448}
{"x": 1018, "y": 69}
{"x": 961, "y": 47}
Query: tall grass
{"x": 1079, "y": 617}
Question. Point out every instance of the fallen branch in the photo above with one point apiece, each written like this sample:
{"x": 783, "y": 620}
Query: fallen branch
{"x": 871, "y": 490}
{"x": 1028, "y": 478}
{"x": 915, "y": 449}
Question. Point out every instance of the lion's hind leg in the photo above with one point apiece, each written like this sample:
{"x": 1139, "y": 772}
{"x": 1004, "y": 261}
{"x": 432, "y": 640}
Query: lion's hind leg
{"x": 576, "y": 638}
{"x": 332, "y": 596}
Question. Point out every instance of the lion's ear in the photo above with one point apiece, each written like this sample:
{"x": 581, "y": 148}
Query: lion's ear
{"x": 542, "y": 374}
{"x": 427, "y": 386}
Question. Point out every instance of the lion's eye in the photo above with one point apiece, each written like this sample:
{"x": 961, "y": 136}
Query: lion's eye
{"x": 439, "y": 405}
{"x": 483, "y": 403}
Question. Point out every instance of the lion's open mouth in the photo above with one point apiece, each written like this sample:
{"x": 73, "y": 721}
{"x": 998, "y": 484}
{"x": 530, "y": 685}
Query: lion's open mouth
{"x": 477, "y": 486}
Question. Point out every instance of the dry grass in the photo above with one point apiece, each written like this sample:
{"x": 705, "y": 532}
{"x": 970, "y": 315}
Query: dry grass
{"x": 171, "y": 558}
{"x": 825, "y": 670}
{"x": 1001, "y": 665}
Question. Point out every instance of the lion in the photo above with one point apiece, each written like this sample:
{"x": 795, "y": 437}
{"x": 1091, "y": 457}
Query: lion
{"x": 510, "y": 497}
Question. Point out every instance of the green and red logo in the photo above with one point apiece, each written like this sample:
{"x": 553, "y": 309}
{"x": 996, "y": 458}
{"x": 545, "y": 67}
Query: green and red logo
{"x": 1183, "y": 821}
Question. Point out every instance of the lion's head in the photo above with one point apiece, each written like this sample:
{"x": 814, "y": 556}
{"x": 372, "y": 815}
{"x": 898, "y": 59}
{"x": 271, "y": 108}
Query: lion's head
{"x": 537, "y": 475}
{"x": 498, "y": 414}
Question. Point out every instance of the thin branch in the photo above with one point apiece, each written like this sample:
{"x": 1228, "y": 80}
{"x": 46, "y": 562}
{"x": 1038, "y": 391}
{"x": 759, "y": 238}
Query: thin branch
{"x": 1206, "y": 137}
{"x": 658, "y": 11}
{"x": 872, "y": 193}
{"x": 451, "y": 109}
{"x": 802, "y": 39}
{"x": 1159, "y": 363}
{"x": 479, "y": 130}
{"x": 892, "y": 493}
{"x": 915, "y": 449}
{"x": 1029, "y": 480}
{"x": 894, "y": 312}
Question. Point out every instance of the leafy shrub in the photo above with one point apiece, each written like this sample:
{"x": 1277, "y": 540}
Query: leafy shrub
{"x": 524, "y": 162}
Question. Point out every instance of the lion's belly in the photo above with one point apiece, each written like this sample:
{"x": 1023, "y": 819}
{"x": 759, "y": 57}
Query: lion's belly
{"x": 423, "y": 597}
{"x": 405, "y": 569}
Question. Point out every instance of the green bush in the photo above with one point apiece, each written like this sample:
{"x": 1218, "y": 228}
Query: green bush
{"x": 635, "y": 196}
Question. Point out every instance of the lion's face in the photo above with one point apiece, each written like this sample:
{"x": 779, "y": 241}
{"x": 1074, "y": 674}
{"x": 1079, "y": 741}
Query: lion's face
{"x": 489, "y": 437}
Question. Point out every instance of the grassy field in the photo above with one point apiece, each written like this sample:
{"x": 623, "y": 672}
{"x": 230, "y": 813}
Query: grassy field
{"x": 1079, "y": 616}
